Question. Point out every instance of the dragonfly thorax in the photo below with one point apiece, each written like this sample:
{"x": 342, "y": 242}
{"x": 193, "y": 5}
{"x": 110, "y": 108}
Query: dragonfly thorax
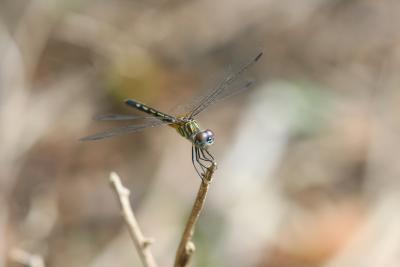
{"x": 190, "y": 129}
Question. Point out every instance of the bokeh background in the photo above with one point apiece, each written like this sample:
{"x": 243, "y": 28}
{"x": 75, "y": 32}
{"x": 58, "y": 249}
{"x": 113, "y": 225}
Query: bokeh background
{"x": 308, "y": 158}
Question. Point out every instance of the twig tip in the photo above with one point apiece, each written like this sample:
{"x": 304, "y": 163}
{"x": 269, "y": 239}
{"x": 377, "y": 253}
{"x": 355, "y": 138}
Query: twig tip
{"x": 115, "y": 181}
{"x": 114, "y": 177}
{"x": 214, "y": 165}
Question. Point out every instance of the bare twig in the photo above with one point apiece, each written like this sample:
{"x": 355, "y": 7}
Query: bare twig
{"x": 26, "y": 258}
{"x": 141, "y": 243}
{"x": 186, "y": 246}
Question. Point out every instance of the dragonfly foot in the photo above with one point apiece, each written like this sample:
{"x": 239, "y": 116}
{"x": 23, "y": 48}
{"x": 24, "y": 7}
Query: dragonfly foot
{"x": 202, "y": 160}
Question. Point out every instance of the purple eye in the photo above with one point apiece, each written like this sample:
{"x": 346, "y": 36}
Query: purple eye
{"x": 204, "y": 138}
{"x": 210, "y": 137}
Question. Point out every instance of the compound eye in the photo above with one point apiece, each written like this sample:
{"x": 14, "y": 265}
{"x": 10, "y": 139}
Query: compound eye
{"x": 210, "y": 137}
{"x": 201, "y": 138}
{"x": 204, "y": 138}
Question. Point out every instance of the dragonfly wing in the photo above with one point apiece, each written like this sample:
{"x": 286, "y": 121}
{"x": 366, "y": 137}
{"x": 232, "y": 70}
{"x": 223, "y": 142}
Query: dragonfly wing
{"x": 224, "y": 89}
{"x": 120, "y": 117}
{"x": 123, "y": 130}
{"x": 233, "y": 90}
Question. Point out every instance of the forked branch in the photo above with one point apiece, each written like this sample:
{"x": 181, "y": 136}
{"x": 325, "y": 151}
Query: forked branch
{"x": 141, "y": 243}
{"x": 186, "y": 246}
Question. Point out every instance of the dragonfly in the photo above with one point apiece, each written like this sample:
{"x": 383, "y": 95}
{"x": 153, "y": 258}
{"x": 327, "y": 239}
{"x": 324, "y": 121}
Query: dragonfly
{"x": 186, "y": 125}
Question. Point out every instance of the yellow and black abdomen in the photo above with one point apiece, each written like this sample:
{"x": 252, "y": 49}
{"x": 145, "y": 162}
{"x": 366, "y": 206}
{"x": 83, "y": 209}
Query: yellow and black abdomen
{"x": 187, "y": 128}
{"x": 151, "y": 111}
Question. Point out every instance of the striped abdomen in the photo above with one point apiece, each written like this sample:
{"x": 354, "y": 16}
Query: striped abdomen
{"x": 151, "y": 111}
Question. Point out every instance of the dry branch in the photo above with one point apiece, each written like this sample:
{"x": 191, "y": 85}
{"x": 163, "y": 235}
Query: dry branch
{"x": 141, "y": 243}
{"x": 186, "y": 246}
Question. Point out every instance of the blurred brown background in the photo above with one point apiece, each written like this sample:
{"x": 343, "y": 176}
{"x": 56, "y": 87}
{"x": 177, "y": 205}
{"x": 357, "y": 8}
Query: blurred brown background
{"x": 308, "y": 158}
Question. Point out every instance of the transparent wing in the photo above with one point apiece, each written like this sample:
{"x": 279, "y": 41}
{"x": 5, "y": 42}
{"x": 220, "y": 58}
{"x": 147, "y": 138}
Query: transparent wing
{"x": 123, "y": 130}
{"x": 233, "y": 90}
{"x": 224, "y": 89}
{"x": 121, "y": 117}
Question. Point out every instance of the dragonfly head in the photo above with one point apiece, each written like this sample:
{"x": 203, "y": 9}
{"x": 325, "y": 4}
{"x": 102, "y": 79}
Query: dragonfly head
{"x": 204, "y": 139}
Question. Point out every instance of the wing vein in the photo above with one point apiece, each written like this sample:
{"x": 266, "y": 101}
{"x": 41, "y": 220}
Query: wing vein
{"x": 214, "y": 94}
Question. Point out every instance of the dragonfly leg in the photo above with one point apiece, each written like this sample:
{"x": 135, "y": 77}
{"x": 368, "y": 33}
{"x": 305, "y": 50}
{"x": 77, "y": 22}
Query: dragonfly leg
{"x": 195, "y": 159}
{"x": 209, "y": 154}
{"x": 199, "y": 159}
{"x": 208, "y": 157}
